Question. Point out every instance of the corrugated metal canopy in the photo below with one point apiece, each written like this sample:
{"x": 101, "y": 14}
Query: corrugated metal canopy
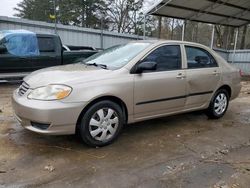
{"x": 233, "y": 13}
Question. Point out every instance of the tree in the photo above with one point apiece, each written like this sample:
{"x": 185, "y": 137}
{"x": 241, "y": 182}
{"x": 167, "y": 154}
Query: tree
{"x": 68, "y": 13}
{"x": 224, "y": 36}
{"x": 123, "y": 15}
{"x": 243, "y": 38}
{"x": 35, "y": 10}
{"x": 90, "y": 12}
{"x": 85, "y": 13}
{"x": 159, "y": 26}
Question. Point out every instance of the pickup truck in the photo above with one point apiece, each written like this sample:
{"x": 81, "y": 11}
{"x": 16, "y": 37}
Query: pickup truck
{"x": 22, "y": 52}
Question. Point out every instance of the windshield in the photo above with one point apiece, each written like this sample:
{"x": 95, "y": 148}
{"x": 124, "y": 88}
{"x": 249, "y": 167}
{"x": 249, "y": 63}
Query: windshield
{"x": 117, "y": 56}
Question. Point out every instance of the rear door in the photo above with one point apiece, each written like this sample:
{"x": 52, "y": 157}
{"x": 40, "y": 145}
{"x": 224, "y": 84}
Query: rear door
{"x": 50, "y": 52}
{"x": 203, "y": 75}
{"x": 163, "y": 90}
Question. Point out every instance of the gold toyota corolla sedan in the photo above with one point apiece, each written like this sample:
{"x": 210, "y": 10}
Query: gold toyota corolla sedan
{"x": 124, "y": 84}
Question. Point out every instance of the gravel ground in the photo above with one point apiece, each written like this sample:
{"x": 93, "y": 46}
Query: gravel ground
{"x": 186, "y": 150}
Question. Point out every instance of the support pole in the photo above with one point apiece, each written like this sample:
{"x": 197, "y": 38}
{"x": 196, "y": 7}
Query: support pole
{"x": 55, "y": 17}
{"x": 235, "y": 43}
{"x": 212, "y": 38}
{"x": 183, "y": 30}
{"x": 102, "y": 46}
{"x": 144, "y": 26}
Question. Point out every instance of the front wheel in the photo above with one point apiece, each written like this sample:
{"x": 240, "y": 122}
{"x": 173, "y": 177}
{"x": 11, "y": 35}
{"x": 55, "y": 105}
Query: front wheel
{"x": 101, "y": 124}
{"x": 218, "y": 105}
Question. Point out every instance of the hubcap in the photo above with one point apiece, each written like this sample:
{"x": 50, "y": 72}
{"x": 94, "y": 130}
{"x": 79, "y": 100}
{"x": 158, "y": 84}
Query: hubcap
{"x": 103, "y": 124}
{"x": 220, "y": 103}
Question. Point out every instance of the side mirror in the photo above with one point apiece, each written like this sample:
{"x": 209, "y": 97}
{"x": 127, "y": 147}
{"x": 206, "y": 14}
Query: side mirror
{"x": 202, "y": 59}
{"x": 147, "y": 65}
{"x": 3, "y": 49}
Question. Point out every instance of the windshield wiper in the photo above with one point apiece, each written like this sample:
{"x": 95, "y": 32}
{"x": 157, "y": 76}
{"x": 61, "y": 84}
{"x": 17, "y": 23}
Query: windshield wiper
{"x": 97, "y": 65}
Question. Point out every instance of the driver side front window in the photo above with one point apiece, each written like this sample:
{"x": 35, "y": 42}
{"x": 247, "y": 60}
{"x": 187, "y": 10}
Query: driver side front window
{"x": 166, "y": 57}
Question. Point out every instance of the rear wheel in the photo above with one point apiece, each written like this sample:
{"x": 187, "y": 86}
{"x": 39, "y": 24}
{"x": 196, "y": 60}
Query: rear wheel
{"x": 218, "y": 105}
{"x": 101, "y": 124}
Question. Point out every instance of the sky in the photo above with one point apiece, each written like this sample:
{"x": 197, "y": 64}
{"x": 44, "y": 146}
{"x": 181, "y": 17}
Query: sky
{"x": 6, "y": 8}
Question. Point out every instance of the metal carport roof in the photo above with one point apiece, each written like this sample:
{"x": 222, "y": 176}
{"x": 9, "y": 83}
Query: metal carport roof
{"x": 235, "y": 13}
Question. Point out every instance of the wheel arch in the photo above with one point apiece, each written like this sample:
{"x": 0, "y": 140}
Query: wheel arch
{"x": 227, "y": 88}
{"x": 114, "y": 99}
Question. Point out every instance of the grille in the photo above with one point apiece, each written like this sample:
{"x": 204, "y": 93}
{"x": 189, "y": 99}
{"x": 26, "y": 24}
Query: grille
{"x": 23, "y": 88}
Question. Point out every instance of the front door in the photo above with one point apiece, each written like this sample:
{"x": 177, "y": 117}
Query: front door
{"x": 11, "y": 63}
{"x": 163, "y": 90}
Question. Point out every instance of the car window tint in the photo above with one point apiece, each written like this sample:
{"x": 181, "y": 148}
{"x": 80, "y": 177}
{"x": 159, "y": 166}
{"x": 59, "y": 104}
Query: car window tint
{"x": 46, "y": 44}
{"x": 199, "y": 58}
{"x": 167, "y": 57}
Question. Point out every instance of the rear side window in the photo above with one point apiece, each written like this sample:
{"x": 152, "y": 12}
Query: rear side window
{"x": 167, "y": 57}
{"x": 199, "y": 58}
{"x": 46, "y": 44}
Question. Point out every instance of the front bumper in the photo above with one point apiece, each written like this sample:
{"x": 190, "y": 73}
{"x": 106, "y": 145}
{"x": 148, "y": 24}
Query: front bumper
{"x": 60, "y": 116}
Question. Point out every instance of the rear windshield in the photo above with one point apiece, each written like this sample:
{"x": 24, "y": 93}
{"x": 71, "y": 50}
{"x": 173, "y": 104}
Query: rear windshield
{"x": 46, "y": 44}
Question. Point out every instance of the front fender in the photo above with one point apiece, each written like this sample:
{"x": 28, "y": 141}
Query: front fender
{"x": 122, "y": 88}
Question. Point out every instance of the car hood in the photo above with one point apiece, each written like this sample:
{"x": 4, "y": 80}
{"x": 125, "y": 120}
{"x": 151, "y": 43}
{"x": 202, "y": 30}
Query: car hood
{"x": 67, "y": 74}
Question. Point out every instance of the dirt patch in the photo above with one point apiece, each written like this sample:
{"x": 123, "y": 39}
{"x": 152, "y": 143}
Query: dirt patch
{"x": 245, "y": 78}
{"x": 245, "y": 91}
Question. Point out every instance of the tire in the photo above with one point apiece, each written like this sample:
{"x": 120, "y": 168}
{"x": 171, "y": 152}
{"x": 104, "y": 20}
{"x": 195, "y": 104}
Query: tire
{"x": 101, "y": 124}
{"x": 218, "y": 105}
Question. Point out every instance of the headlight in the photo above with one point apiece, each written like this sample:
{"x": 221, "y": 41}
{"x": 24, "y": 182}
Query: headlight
{"x": 50, "y": 92}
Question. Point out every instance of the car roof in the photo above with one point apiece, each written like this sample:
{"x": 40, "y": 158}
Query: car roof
{"x": 161, "y": 41}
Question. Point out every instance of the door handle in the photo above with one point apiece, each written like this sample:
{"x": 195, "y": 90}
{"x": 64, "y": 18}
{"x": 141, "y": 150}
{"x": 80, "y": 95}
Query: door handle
{"x": 215, "y": 73}
{"x": 180, "y": 76}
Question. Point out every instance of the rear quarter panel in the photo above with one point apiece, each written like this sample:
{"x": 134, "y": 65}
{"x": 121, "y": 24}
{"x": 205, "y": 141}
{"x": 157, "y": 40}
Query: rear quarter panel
{"x": 229, "y": 76}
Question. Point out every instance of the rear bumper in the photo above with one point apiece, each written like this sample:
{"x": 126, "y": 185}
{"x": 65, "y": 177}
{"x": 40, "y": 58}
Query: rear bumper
{"x": 60, "y": 116}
